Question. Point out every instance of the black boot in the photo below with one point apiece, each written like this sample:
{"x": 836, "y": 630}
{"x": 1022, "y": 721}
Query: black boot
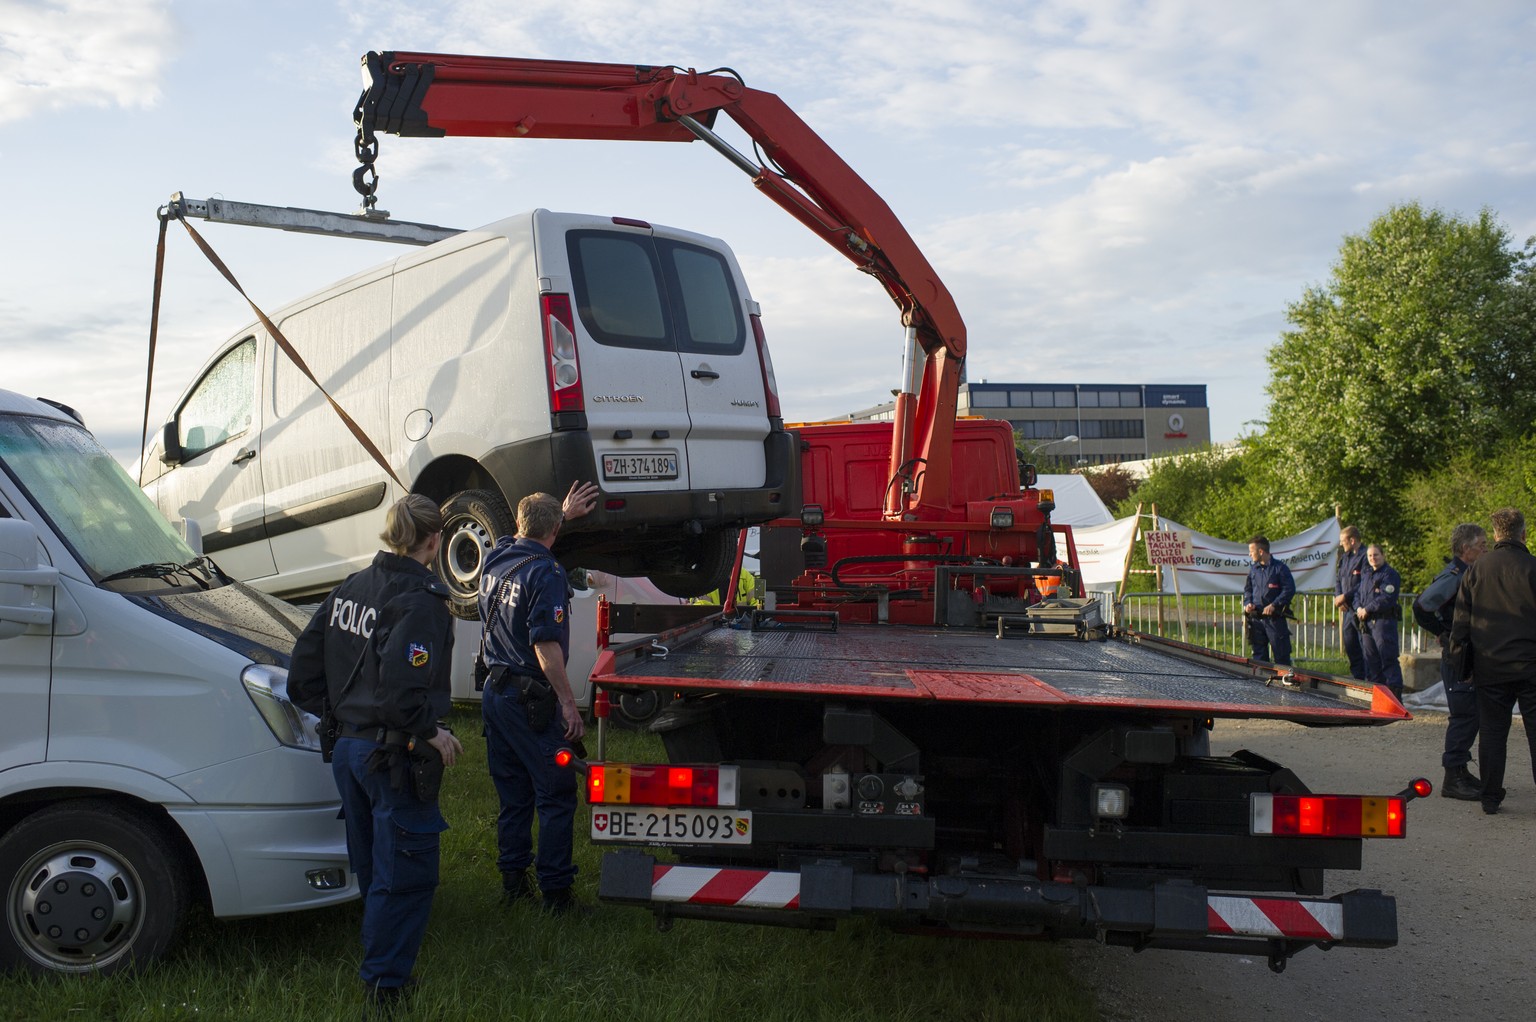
{"x": 563, "y": 902}
{"x": 517, "y": 887}
{"x": 1460, "y": 784}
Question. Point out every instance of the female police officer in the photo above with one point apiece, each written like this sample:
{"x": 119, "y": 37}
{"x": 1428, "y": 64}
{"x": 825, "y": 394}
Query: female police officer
{"x": 377, "y": 654}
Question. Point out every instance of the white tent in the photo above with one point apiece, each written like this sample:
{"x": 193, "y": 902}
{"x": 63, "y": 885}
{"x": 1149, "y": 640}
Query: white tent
{"x": 1076, "y": 503}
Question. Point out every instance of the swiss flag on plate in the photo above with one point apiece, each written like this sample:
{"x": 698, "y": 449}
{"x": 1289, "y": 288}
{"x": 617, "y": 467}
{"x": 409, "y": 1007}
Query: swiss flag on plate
{"x": 599, "y": 821}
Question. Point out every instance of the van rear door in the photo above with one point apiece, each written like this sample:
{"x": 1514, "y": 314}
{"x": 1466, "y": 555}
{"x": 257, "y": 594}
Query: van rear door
{"x": 668, "y": 365}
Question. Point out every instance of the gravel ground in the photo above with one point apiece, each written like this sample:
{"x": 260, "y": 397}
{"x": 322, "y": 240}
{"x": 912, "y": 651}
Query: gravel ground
{"x": 1465, "y": 885}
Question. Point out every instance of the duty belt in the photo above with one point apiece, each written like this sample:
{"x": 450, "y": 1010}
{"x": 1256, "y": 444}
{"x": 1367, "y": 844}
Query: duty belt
{"x": 381, "y": 735}
{"x": 502, "y": 676}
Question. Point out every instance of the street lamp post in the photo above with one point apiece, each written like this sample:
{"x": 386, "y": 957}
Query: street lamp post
{"x": 1070, "y": 438}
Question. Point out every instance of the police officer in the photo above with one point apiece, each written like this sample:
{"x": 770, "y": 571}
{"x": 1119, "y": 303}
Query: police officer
{"x": 529, "y": 710}
{"x": 1266, "y": 598}
{"x": 1434, "y": 610}
{"x": 377, "y": 654}
{"x": 1377, "y": 611}
{"x": 1352, "y": 565}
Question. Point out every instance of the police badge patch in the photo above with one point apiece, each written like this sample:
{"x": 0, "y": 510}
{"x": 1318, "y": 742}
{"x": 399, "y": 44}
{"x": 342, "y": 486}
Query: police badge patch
{"x": 559, "y": 614}
{"x": 416, "y": 653}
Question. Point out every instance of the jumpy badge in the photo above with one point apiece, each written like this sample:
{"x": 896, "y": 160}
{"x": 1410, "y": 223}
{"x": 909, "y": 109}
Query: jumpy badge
{"x": 416, "y": 653}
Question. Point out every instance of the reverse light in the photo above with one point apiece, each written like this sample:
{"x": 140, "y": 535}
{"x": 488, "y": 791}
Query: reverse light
{"x": 560, "y": 351}
{"x": 661, "y": 784}
{"x": 1359, "y": 816}
{"x": 1111, "y": 801}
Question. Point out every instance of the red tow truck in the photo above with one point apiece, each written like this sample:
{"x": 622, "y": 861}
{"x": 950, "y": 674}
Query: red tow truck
{"x": 932, "y": 722}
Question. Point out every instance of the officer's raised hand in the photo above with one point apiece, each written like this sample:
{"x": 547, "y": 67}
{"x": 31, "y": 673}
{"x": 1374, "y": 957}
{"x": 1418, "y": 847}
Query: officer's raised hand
{"x": 580, "y": 501}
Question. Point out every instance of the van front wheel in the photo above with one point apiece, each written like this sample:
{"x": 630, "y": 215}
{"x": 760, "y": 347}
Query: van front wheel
{"x": 473, "y": 520}
{"x": 89, "y": 887}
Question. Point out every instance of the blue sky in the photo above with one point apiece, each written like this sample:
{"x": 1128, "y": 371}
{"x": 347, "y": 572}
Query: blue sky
{"x": 1113, "y": 191}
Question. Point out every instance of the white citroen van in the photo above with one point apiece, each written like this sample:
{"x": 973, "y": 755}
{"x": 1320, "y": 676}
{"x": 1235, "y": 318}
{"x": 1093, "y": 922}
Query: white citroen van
{"x": 149, "y": 757}
{"x": 541, "y": 350}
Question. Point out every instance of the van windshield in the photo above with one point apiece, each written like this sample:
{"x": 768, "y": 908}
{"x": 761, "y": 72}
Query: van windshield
{"x": 87, "y": 497}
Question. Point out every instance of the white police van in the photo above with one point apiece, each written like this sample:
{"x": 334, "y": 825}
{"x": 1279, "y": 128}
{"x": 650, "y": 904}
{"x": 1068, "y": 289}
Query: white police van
{"x": 149, "y": 757}
{"x": 544, "y": 349}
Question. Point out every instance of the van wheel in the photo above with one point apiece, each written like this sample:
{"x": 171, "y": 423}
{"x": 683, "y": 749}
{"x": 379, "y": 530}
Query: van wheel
{"x": 707, "y": 563}
{"x": 89, "y": 887}
{"x": 473, "y": 520}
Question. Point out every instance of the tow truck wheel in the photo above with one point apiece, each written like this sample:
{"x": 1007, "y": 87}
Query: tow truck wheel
{"x": 89, "y": 887}
{"x": 706, "y": 565}
{"x": 473, "y": 520}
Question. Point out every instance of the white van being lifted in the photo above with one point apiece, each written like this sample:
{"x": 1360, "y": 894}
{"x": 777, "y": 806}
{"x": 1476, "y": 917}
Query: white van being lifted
{"x": 149, "y": 757}
{"x": 541, "y": 350}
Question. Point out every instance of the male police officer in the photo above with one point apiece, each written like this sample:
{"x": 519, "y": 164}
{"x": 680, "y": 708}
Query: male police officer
{"x": 1434, "y": 610}
{"x": 529, "y": 709}
{"x": 1266, "y": 598}
{"x": 1376, "y": 609}
{"x": 1352, "y": 565}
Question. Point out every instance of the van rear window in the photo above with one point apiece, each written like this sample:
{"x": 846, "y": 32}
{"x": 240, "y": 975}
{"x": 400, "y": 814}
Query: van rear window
{"x": 635, "y": 291}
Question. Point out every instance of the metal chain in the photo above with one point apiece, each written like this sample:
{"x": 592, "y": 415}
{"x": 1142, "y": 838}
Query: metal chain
{"x": 365, "y": 178}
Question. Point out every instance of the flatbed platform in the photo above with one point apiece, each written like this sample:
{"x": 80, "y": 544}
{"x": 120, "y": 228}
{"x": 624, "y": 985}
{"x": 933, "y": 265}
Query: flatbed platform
{"x": 895, "y": 662}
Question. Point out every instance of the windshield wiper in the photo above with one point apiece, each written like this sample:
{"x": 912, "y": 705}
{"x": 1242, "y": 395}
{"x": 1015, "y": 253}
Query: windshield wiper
{"x": 157, "y": 570}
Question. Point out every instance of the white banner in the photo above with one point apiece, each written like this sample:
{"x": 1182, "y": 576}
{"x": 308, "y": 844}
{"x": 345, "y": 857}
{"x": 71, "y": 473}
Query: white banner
{"x": 1222, "y": 566}
{"x": 1101, "y": 551}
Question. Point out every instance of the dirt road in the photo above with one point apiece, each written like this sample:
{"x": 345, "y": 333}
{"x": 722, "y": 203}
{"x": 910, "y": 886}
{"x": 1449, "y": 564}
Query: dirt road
{"x": 1466, "y": 898}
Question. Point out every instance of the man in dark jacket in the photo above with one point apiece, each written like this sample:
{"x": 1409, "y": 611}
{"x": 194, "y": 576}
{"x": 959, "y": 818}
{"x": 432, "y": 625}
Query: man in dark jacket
{"x": 1378, "y": 613}
{"x": 1493, "y": 637}
{"x": 1434, "y": 610}
{"x": 1351, "y": 566}
{"x": 1266, "y": 599}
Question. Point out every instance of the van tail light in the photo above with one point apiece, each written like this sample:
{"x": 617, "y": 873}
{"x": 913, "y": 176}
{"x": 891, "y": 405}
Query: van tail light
{"x": 661, "y": 784}
{"x": 560, "y": 354}
{"x": 1358, "y": 816}
{"x": 770, "y": 382}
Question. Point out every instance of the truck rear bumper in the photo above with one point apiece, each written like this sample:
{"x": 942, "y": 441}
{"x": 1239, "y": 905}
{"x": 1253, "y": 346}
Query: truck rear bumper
{"x": 1166, "y": 915}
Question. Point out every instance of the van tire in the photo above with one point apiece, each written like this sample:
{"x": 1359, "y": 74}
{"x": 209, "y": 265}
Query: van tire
{"x": 707, "y": 563}
{"x": 89, "y": 887}
{"x": 473, "y": 520}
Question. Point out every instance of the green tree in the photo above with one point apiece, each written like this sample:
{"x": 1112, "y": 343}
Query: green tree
{"x": 1222, "y": 492}
{"x": 1419, "y": 347}
{"x": 1469, "y": 488}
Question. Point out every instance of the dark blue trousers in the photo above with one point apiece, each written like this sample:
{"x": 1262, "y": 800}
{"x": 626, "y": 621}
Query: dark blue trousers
{"x": 1352, "y": 651}
{"x": 527, "y": 781}
{"x": 1461, "y": 729}
{"x": 1272, "y": 631}
{"x": 1378, "y": 639}
{"x": 392, "y": 842}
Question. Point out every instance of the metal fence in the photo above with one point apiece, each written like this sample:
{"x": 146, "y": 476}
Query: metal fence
{"x": 1217, "y": 622}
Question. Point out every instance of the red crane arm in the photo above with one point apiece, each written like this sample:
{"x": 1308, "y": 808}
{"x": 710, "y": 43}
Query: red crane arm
{"x": 428, "y": 94}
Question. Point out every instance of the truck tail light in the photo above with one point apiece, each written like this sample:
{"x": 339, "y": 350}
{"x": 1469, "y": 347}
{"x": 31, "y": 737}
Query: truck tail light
{"x": 560, "y": 352}
{"x": 764, "y": 360}
{"x": 661, "y": 784}
{"x": 1357, "y": 816}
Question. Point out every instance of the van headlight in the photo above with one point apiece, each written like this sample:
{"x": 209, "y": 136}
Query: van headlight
{"x": 268, "y": 688}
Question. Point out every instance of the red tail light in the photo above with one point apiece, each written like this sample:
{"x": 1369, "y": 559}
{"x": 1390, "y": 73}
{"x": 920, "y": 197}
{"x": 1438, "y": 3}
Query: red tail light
{"x": 560, "y": 354}
{"x": 658, "y": 784}
{"x": 1328, "y": 816}
{"x": 770, "y": 382}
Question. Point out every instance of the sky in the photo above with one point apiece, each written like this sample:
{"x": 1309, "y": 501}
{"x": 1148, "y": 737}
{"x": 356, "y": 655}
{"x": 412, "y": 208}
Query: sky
{"x": 1114, "y": 192}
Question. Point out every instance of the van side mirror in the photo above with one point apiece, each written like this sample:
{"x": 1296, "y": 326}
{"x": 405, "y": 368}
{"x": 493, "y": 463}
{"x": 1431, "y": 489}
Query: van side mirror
{"x": 26, "y": 596}
{"x": 170, "y": 443}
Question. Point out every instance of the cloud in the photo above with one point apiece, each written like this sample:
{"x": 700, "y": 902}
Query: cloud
{"x": 70, "y": 53}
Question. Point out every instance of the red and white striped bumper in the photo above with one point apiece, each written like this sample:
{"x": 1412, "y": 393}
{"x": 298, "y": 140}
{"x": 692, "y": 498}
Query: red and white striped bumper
{"x": 738, "y": 888}
{"x": 1274, "y": 917}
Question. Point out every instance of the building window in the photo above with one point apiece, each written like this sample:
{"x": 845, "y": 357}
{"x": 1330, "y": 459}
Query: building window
{"x": 989, "y": 399}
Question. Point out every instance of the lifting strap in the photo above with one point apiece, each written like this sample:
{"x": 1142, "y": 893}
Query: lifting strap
{"x": 276, "y": 335}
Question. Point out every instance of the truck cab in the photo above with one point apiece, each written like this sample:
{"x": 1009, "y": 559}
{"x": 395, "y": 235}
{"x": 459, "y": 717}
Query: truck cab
{"x": 149, "y": 757}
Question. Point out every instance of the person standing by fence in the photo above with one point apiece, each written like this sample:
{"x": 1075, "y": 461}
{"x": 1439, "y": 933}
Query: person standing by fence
{"x": 1266, "y": 600}
{"x": 1378, "y": 613}
{"x": 1352, "y": 565}
{"x": 1493, "y": 638}
{"x": 1435, "y": 611}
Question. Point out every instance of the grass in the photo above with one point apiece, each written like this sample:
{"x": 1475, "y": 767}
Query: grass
{"x": 485, "y": 962}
